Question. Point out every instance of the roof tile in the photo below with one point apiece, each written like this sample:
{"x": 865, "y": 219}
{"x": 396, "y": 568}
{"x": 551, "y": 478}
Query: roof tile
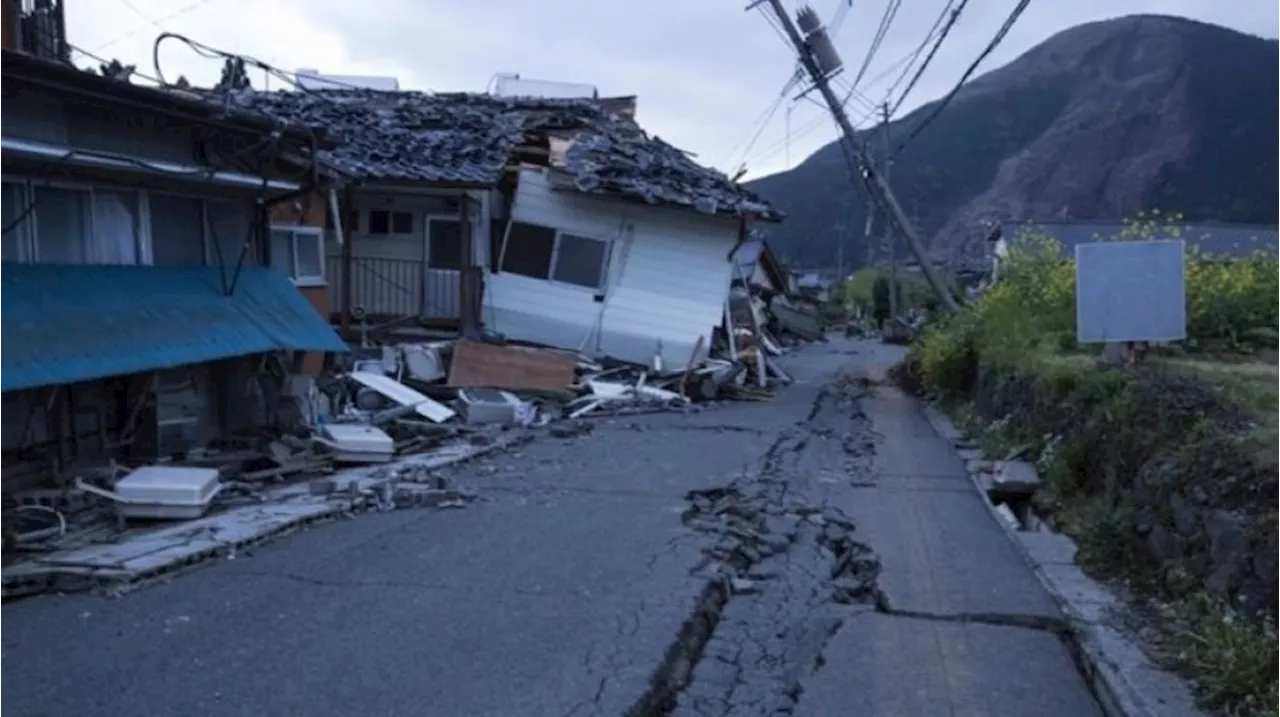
{"x": 468, "y": 138}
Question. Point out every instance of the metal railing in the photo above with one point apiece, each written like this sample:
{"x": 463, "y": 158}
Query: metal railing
{"x": 395, "y": 288}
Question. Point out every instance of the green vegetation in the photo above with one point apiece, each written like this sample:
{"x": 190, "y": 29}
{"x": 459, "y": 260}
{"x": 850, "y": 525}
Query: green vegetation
{"x": 1165, "y": 473}
{"x": 860, "y": 290}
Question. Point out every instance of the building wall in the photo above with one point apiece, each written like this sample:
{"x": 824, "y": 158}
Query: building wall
{"x": 393, "y": 273}
{"x": 668, "y": 278}
{"x": 44, "y": 117}
{"x": 309, "y": 212}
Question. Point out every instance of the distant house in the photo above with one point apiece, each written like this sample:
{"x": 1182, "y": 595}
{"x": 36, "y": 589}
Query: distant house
{"x": 1222, "y": 241}
{"x": 813, "y": 285}
{"x": 579, "y": 230}
{"x": 140, "y": 303}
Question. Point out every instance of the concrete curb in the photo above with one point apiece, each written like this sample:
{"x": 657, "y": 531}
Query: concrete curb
{"x": 1124, "y": 680}
{"x": 190, "y": 544}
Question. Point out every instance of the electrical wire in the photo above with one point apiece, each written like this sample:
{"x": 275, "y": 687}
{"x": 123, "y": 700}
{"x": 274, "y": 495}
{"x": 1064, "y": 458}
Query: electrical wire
{"x": 946, "y": 29}
{"x": 910, "y": 64}
{"x": 886, "y": 21}
{"x": 763, "y": 121}
{"x": 973, "y": 67}
{"x": 105, "y": 63}
{"x": 868, "y": 109}
{"x": 213, "y": 53}
{"x": 156, "y": 22}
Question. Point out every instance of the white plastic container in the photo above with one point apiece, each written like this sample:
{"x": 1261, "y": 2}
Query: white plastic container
{"x": 357, "y": 443}
{"x": 167, "y": 492}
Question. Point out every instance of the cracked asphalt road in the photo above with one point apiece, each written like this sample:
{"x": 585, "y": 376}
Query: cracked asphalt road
{"x": 814, "y": 555}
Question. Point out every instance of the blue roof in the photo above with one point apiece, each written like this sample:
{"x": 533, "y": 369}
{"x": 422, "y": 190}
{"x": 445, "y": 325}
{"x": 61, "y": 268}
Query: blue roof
{"x": 62, "y": 323}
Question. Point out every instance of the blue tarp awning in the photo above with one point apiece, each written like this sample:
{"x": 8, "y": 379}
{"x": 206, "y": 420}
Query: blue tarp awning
{"x": 66, "y": 323}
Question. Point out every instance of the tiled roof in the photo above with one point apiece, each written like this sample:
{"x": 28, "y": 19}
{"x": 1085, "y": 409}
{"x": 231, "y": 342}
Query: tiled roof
{"x": 468, "y": 138}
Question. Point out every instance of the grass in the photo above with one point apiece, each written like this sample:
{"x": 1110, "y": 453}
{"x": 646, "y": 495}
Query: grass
{"x": 1231, "y": 661}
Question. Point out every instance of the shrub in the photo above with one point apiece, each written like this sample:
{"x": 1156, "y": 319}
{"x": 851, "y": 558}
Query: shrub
{"x": 1122, "y": 451}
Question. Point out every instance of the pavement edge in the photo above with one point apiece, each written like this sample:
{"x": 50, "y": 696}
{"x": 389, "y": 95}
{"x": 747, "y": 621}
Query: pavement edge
{"x": 1116, "y": 694}
{"x": 366, "y": 480}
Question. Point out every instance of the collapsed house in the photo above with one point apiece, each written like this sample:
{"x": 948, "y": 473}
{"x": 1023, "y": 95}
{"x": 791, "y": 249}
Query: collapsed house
{"x": 171, "y": 257}
{"x": 140, "y": 307}
{"x": 551, "y": 221}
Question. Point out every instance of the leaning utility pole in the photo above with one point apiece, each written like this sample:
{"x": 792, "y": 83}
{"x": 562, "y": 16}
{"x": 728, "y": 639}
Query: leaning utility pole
{"x": 890, "y": 236}
{"x": 820, "y": 61}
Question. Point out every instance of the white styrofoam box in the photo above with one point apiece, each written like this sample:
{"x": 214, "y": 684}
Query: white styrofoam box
{"x": 168, "y": 484}
{"x": 167, "y": 491}
{"x": 358, "y": 438}
{"x": 487, "y": 405}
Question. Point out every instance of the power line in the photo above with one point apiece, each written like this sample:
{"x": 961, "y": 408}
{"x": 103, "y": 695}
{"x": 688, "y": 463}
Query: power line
{"x": 156, "y": 22}
{"x": 929, "y": 37}
{"x": 946, "y": 29}
{"x": 886, "y": 20}
{"x": 106, "y": 63}
{"x": 213, "y": 53}
{"x": 129, "y": 4}
{"x": 763, "y": 121}
{"x": 946, "y": 100}
{"x": 869, "y": 109}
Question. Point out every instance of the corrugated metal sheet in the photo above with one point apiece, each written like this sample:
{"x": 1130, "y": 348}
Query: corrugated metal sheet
{"x": 61, "y": 324}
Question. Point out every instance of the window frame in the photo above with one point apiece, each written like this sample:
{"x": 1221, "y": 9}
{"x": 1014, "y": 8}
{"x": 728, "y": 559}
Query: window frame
{"x": 499, "y": 245}
{"x": 30, "y": 226}
{"x": 604, "y": 262}
{"x": 24, "y": 229}
{"x": 367, "y": 222}
{"x": 297, "y": 231}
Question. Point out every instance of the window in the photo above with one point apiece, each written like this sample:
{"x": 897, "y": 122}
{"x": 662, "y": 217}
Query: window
{"x": 401, "y": 223}
{"x": 446, "y": 244}
{"x": 543, "y": 253}
{"x": 379, "y": 222}
{"x": 383, "y": 221}
{"x": 496, "y": 229}
{"x": 529, "y": 250}
{"x": 579, "y": 260}
{"x": 10, "y": 229}
{"x": 298, "y": 252}
{"x": 115, "y": 227}
{"x": 62, "y": 225}
{"x": 177, "y": 231}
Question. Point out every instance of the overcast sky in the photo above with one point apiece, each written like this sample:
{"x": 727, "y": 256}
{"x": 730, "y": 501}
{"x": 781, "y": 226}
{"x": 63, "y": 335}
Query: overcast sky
{"x": 705, "y": 70}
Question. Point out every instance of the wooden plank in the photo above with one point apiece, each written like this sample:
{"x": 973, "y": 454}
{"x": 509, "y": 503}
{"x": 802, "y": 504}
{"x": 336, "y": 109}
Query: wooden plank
{"x": 516, "y": 368}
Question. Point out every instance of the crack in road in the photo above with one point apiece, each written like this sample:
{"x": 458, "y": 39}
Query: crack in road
{"x": 777, "y": 567}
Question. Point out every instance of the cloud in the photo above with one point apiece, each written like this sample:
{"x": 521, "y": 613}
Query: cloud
{"x": 705, "y": 71}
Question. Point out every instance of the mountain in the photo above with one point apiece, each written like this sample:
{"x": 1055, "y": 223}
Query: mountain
{"x": 1098, "y": 122}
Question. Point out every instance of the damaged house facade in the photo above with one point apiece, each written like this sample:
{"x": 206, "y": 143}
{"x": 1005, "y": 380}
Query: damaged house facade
{"x": 549, "y": 221}
{"x": 142, "y": 317}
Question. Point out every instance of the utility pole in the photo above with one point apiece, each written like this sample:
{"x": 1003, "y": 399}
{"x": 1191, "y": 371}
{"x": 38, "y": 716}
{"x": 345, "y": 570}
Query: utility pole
{"x": 878, "y": 185}
{"x": 891, "y": 237}
{"x": 840, "y": 250}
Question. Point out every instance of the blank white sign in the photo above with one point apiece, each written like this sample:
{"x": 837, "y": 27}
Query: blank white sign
{"x": 1130, "y": 291}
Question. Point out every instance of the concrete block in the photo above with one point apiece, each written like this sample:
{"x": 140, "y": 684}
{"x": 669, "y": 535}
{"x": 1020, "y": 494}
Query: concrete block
{"x": 1015, "y": 478}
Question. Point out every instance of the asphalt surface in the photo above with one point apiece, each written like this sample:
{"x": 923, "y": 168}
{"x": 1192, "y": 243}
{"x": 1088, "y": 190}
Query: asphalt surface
{"x": 819, "y": 554}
